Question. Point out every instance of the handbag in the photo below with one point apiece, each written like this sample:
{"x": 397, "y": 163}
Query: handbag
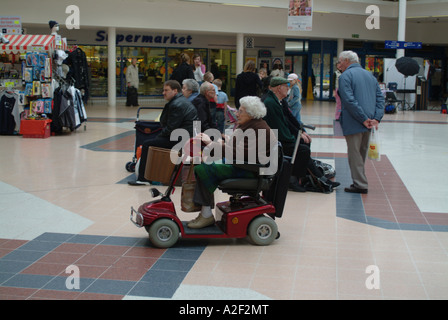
{"x": 374, "y": 145}
{"x": 186, "y": 198}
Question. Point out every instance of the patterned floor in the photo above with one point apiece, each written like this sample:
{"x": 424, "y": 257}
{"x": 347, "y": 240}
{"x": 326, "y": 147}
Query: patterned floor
{"x": 65, "y": 203}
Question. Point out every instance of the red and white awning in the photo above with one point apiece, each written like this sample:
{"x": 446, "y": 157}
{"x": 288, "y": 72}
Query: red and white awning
{"x": 20, "y": 43}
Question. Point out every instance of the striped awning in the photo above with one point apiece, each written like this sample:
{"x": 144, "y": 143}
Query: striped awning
{"x": 20, "y": 43}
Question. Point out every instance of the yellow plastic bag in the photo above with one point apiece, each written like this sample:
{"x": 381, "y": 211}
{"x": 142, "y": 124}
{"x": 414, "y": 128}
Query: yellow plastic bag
{"x": 374, "y": 145}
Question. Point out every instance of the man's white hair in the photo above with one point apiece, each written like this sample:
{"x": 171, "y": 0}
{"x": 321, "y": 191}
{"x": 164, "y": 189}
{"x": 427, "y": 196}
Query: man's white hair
{"x": 349, "y": 55}
{"x": 253, "y": 106}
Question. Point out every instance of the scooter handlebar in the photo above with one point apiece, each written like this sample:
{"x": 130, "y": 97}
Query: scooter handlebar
{"x": 308, "y": 126}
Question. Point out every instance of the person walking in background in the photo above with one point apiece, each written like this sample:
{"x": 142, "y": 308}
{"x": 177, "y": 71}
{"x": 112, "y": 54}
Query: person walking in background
{"x": 183, "y": 70}
{"x": 362, "y": 109}
{"x": 247, "y": 83}
{"x": 337, "y": 113}
{"x": 198, "y": 68}
{"x": 295, "y": 96}
{"x": 277, "y": 71}
{"x": 132, "y": 84}
{"x": 221, "y": 105}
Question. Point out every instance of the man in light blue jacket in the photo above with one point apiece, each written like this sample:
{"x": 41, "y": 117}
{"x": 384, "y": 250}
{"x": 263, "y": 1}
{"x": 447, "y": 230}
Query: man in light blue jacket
{"x": 362, "y": 109}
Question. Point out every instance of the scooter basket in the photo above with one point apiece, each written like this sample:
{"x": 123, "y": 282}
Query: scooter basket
{"x": 159, "y": 166}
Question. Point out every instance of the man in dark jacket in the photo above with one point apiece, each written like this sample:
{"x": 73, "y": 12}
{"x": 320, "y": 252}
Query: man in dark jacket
{"x": 202, "y": 104}
{"x": 178, "y": 113}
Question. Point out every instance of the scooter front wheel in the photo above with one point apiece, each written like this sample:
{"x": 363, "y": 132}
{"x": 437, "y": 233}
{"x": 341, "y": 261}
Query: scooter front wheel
{"x": 163, "y": 233}
{"x": 262, "y": 231}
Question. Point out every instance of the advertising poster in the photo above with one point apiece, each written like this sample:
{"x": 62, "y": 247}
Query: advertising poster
{"x": 300, "y": 15}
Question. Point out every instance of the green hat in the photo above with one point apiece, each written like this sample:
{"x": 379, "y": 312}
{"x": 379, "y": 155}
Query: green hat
{"x": 276, "y": 81}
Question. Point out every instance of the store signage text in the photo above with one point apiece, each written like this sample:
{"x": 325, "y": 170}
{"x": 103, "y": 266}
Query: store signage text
{"x": 137, "y": 38}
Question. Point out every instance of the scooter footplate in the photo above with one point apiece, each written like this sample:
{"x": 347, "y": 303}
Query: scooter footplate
{"x": 210, "y": 230}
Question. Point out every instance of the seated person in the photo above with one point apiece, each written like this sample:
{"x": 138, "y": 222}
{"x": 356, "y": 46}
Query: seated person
{"x": 202, "y": 104}
{"x": 208, "y": 176}
{"x": 190, "y": 89}
{"x": 279, "y": 117}
{"x": 177, "y": 113}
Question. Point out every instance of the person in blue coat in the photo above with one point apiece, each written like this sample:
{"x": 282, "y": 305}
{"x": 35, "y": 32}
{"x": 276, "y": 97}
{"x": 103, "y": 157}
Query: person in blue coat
{"x": 362, "y": 109}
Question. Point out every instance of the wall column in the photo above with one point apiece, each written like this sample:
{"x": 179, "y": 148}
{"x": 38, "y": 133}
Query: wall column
{"x": 111, "y": 68}
{"x": 239, "y": 52}
{"x": 340, "y": 46}
{"x": 401, "y": 26}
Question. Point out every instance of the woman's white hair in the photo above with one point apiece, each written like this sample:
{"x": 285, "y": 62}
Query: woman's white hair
{"x": 349, "y": 55}
{"x": 253, "y": 106}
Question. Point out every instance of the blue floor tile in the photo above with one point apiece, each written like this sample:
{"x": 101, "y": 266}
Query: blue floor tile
{"x": 13, "y": 266}
{"x": 161, "y": 290}
{"x": 173, "y": 265}
{"x": 24, "y": 255}
{"x": 86, "y": 239}
{"x": 27, "y": 281}
{"x": 156, "y": 276}
{"x": 182, "y": 254}
{"x": 59, "y": 283}
{"x": 54, "y": 237}
{"x": 36, "y": 245}
{"x": 110, "y": 286}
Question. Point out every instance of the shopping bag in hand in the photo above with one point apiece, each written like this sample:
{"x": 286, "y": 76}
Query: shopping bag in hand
{"x": 374, "y": 146}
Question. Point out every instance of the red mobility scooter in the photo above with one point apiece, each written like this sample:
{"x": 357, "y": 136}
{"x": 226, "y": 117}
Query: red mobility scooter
{"x": 251, "y": 211}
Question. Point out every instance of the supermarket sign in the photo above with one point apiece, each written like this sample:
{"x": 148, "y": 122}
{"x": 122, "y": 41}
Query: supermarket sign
{"x": 10, "y": 25}
{"x": 171, "y": 39}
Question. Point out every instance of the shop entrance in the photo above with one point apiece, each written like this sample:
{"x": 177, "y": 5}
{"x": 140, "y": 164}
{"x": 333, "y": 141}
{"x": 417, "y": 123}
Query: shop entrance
{"x": 222, "y": 64}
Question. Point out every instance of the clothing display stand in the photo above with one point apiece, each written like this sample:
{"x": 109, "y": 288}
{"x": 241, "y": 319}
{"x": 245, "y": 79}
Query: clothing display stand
{"x": 33, "y": 86}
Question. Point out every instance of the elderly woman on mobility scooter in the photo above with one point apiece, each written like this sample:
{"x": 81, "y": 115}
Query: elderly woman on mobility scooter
{"x": 208, "y": 176}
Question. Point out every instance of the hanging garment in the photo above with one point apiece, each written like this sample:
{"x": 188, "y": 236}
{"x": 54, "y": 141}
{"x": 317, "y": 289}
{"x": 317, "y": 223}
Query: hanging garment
{"x": 9, "y": 113}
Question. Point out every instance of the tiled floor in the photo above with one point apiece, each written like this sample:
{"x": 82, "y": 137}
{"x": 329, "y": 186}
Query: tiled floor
{"x": 65, "y": 203}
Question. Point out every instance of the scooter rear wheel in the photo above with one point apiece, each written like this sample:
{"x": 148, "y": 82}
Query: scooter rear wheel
{"x": 262, "y": 231}
{"x": 163, "y": 233}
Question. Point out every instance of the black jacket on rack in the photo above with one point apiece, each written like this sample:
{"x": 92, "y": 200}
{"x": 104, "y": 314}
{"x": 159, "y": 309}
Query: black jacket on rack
{"x": 79, "y": 71}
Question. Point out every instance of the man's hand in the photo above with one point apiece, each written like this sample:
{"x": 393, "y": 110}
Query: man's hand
{"x": 374, "y": 123}
{"x": 306, "y": 137}
{"x": 367, "y": 124}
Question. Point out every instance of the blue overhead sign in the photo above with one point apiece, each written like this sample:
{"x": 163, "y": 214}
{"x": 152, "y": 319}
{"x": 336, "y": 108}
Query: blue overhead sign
{"x": 402, "y": 45}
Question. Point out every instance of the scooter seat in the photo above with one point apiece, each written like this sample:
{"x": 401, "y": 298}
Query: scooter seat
{"x": 235, "y": 185}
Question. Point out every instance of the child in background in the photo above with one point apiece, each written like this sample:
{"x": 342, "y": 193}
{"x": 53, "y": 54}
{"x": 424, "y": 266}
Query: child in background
{"x": 221, "y": 106}
{"x": 295, "y": 96}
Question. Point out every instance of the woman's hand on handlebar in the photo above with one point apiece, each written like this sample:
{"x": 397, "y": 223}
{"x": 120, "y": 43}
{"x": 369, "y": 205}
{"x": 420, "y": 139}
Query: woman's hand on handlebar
{"x": 204, "y": 138}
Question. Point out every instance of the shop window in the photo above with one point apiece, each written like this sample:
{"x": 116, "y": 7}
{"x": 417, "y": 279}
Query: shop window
{"x": 97, "y": 60}
{"x": 296, "y": 46}
{"x": 155, "y": 67}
